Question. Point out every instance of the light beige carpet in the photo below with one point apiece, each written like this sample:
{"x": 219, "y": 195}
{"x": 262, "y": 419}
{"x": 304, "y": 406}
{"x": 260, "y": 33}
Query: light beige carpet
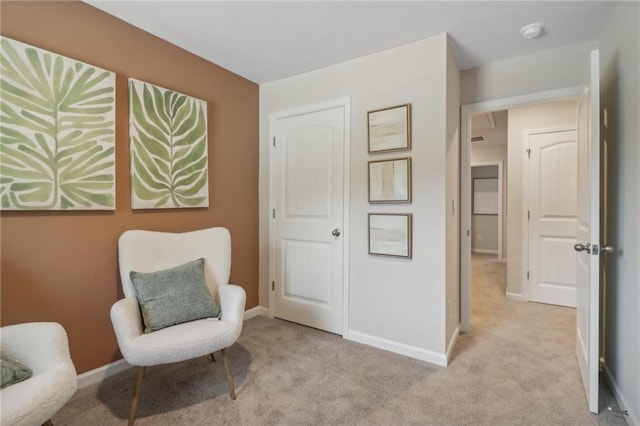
{"x": 517, "y": 367}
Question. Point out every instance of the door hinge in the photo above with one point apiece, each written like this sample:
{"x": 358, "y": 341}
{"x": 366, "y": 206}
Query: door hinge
{"x": 529, "y": 152}
{"x": 273, "y": 213}
{"x": 274, "y": 141}
{"x": 273, "y": 286}
{"x": 528, "y": 214}
{"x": 527, "y": 274}
{"x": 468, "y": 233}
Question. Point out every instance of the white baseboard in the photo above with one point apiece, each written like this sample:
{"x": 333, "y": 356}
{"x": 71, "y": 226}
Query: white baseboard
{"x": 399, "y": 348}
{"x": 452, "y": 343}
{"x": 99, "y": 374}
{"x": 518, "y": 297}
{"x": 632, "y": 418}
{"x": 484, "y": 251}
{"x": 258, "y": 311}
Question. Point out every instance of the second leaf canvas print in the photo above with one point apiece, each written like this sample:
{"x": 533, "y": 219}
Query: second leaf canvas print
{"x": 168, "y": 142}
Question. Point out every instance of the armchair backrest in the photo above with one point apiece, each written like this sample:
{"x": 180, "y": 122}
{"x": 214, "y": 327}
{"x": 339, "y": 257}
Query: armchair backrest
{"x": 150, "y": 251}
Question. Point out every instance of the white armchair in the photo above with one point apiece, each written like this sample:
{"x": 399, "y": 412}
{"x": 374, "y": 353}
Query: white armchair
{"x": 149, "y": 251}
{"x": 44, "y": 348}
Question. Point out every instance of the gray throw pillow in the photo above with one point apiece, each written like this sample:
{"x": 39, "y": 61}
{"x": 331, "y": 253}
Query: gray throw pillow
{"x": 12, "y": 372}
{"x": 174, "y": 296}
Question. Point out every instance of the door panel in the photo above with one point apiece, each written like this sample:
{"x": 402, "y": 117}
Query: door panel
{"x": 307, "y": 272}
{"x": 552, "y": 217}
{"x": 308, "y": 184}
{"x": 308, "y": 157}
{"x": 588, "y": 232}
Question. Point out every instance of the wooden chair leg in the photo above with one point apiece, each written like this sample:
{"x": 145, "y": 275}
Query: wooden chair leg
{"x": 225, "y": 360}
{"x": 136, "y": 392}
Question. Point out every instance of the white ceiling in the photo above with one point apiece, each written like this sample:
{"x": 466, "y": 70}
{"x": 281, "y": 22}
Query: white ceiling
{"x": 265, "y": 41}
{"x": 492, "y": 126}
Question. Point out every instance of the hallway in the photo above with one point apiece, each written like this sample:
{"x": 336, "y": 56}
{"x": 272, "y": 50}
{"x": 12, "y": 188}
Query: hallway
{"x": 532, "y": 345}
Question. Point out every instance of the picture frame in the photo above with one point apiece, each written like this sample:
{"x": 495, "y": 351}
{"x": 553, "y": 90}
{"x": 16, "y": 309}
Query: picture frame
{"x": 485, "y": 196}
{"x": 390, "y": 234}
{"x": 389, "y": 129}
{"x": 390, "y": 180}
{"x": 169, "y": 158}
{"x": 58, "y": 151}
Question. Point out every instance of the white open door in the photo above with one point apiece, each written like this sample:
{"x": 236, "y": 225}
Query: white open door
{"x": 588, "y": 233}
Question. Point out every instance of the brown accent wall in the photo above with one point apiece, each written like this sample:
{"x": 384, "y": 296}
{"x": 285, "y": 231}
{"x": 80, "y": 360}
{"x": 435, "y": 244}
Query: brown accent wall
{"x": 62, "y": 266}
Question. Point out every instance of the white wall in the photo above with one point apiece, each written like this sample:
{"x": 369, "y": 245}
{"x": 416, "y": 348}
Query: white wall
{"x": 563, "y": 113}
{"x": 453, "y": 200}
{"x": 489, "y": 153}
{"x": 620, "y": 97}
{"x": 540, "y": 72}
{"x": 396, "y": 304}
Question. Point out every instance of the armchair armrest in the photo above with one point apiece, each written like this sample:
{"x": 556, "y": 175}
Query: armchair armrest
{"x": 44, "y": 348}
{"x": 232, "y": 301}
{"x": 127, "y": 322}
{"x": 39, "y": 345}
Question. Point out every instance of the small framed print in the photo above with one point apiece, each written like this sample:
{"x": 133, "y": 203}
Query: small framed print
{"x": 390, "y": 234}
{"x": 390, "y": 181}
{"x": 389, "y": 129}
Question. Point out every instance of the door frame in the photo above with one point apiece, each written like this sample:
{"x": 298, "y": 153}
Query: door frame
{"x": 465, "y": 179}
{"x": 497, "y": 163}
{"x": 344, "y": 103}
{"x": 526, "y": 289}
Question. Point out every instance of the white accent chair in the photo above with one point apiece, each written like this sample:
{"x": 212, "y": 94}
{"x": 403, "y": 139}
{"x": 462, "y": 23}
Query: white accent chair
{"x": 150, "y": 251}
{"x": 44, "y": 348}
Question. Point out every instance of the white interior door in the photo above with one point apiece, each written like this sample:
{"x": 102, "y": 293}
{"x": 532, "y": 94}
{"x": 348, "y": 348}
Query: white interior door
{"x": 308, "y": 218}
{"x": 588, "y": 233}
{"x": 552, "y": 195}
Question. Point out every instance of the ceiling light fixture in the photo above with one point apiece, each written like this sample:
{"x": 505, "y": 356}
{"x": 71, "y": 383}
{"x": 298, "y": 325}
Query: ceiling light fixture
{"x": 532, "y": 31}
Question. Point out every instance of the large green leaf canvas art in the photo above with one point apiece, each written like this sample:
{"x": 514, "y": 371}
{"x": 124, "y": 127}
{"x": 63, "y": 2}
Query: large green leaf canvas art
{"x": 168, "y": 140}
{"x": 57, "y": 131}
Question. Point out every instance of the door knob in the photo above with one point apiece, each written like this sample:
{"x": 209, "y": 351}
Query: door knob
{"x": 582, "y": 247}
{"x": 607, "y": 249}
{"x": 335, "y": 232}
